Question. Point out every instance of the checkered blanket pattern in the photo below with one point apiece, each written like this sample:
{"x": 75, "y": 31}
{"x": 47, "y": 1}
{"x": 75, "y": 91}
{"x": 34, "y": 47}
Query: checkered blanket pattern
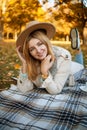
{"x": 38, "y": 110}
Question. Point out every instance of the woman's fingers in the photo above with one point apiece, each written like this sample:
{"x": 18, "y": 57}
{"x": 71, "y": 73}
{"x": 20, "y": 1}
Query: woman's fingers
{"x": 20, "y": 54}
{"x": 18, "y": 48}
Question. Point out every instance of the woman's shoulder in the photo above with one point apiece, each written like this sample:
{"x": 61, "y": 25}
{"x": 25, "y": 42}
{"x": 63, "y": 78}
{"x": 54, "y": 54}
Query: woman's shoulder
{"x": 58, "y": 48}
{"x": 59, "y": 51}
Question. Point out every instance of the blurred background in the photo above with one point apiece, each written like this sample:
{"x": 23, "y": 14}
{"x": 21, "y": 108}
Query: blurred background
{"x": 15, "y": 14}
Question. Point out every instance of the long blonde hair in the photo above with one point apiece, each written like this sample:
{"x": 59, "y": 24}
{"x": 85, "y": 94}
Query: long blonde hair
{"x": 32, "y": 62}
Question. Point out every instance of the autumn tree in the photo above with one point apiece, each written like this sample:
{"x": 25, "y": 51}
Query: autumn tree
{"x": 67, "y": 14}
{"x": 19, "y": 12}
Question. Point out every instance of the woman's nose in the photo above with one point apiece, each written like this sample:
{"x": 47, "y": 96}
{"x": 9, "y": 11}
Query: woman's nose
{"x": 38, "y": 49}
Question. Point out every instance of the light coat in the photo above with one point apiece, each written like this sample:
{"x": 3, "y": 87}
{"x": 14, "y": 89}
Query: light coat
{"x": 58, "y": 74}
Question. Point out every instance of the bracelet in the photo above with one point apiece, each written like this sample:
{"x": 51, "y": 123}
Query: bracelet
{"x": 24, "y": 75}
{"x": 44, "y": 76}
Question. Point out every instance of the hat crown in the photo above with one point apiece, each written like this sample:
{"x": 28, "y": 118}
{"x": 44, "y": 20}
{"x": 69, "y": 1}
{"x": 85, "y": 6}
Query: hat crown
{"x": 31, "y": 23}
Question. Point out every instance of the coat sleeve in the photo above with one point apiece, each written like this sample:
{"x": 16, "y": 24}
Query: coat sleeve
{"x": 24, "y": 84}
{"x": 56, "y": 84}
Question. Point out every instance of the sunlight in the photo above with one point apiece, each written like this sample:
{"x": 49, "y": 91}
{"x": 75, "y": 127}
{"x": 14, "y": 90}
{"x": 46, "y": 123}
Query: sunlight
{"x": 46, "y": 5}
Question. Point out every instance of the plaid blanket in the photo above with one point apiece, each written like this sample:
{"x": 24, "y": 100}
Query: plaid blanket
{"x": 38, "y": 110}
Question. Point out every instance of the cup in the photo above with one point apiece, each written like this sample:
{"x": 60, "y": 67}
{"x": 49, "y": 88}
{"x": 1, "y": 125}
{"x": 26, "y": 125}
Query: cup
{"x": 71, "y": 80}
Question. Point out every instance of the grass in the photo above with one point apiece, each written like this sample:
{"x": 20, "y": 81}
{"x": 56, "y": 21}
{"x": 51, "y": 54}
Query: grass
{"x": 10, "y": 63}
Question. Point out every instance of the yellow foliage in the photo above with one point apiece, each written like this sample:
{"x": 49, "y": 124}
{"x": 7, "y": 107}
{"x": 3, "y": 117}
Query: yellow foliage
{"x": 17, "y": 66}
{"x": 40, "y": 11}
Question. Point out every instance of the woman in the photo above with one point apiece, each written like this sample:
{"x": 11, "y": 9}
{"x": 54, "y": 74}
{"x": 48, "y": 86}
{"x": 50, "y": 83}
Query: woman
{"x": 43, "y": 65}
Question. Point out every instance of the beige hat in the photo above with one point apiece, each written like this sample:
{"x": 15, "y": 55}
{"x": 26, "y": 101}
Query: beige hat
{"x": 35, "y": 25}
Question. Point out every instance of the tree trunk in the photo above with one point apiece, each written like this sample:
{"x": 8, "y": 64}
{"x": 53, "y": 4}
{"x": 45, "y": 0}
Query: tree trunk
{"x": 1, "y": 30}
{"x": 15, "y": 35}
{"x": 85, "y": 34}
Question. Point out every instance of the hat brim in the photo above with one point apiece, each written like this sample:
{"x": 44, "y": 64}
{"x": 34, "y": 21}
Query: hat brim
{"x": 50, "y": 31}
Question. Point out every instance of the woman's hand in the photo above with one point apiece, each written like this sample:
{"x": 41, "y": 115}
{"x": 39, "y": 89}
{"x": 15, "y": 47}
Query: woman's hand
{"x": 46, "y": 64}
{"x": 20, "y": 54}
{"x": 21, "y": 57}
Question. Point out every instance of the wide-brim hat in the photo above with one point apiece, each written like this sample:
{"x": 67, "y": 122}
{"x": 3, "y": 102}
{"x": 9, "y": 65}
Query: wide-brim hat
{"x": 33, "y": 26}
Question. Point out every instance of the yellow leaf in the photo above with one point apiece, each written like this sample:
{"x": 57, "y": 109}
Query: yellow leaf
{"x": 17, "y": 66}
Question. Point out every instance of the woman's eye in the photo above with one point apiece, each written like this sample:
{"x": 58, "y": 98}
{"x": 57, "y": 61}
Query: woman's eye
{"x": 31, "y": 49}
{"x": 40, "y": 43}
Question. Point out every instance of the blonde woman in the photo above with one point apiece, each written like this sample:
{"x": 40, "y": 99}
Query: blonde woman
{"x": 43, "y": 65}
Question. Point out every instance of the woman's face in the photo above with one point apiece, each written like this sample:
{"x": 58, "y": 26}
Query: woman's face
{"x": 37, "y": 49}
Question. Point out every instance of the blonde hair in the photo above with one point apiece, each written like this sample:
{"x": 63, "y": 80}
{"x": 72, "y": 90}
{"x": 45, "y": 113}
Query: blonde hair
{"x": 32, "y": 62}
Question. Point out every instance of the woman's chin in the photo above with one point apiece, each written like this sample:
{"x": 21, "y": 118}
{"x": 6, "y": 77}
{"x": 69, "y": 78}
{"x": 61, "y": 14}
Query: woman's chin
{"x": 41, "y": 58}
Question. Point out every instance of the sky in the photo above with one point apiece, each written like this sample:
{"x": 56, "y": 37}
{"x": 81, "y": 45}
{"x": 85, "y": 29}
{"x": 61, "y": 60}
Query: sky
{"x": 50, "y": 1}
{"x": 47, "y": 5}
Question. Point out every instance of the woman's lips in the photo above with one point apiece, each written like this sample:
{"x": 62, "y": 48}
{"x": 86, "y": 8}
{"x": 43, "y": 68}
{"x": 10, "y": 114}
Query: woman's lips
{"x": 41, "y": 54}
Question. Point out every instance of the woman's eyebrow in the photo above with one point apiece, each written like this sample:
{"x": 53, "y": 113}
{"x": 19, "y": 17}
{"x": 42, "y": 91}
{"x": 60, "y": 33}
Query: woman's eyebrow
{"x": 36, "y": 44}
{"x": 31, "y": 47}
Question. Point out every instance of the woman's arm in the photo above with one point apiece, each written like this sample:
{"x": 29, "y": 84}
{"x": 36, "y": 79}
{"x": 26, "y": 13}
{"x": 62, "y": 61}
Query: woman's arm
{"x": 55, "y": 86}
{"x": 23, "y": 83}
